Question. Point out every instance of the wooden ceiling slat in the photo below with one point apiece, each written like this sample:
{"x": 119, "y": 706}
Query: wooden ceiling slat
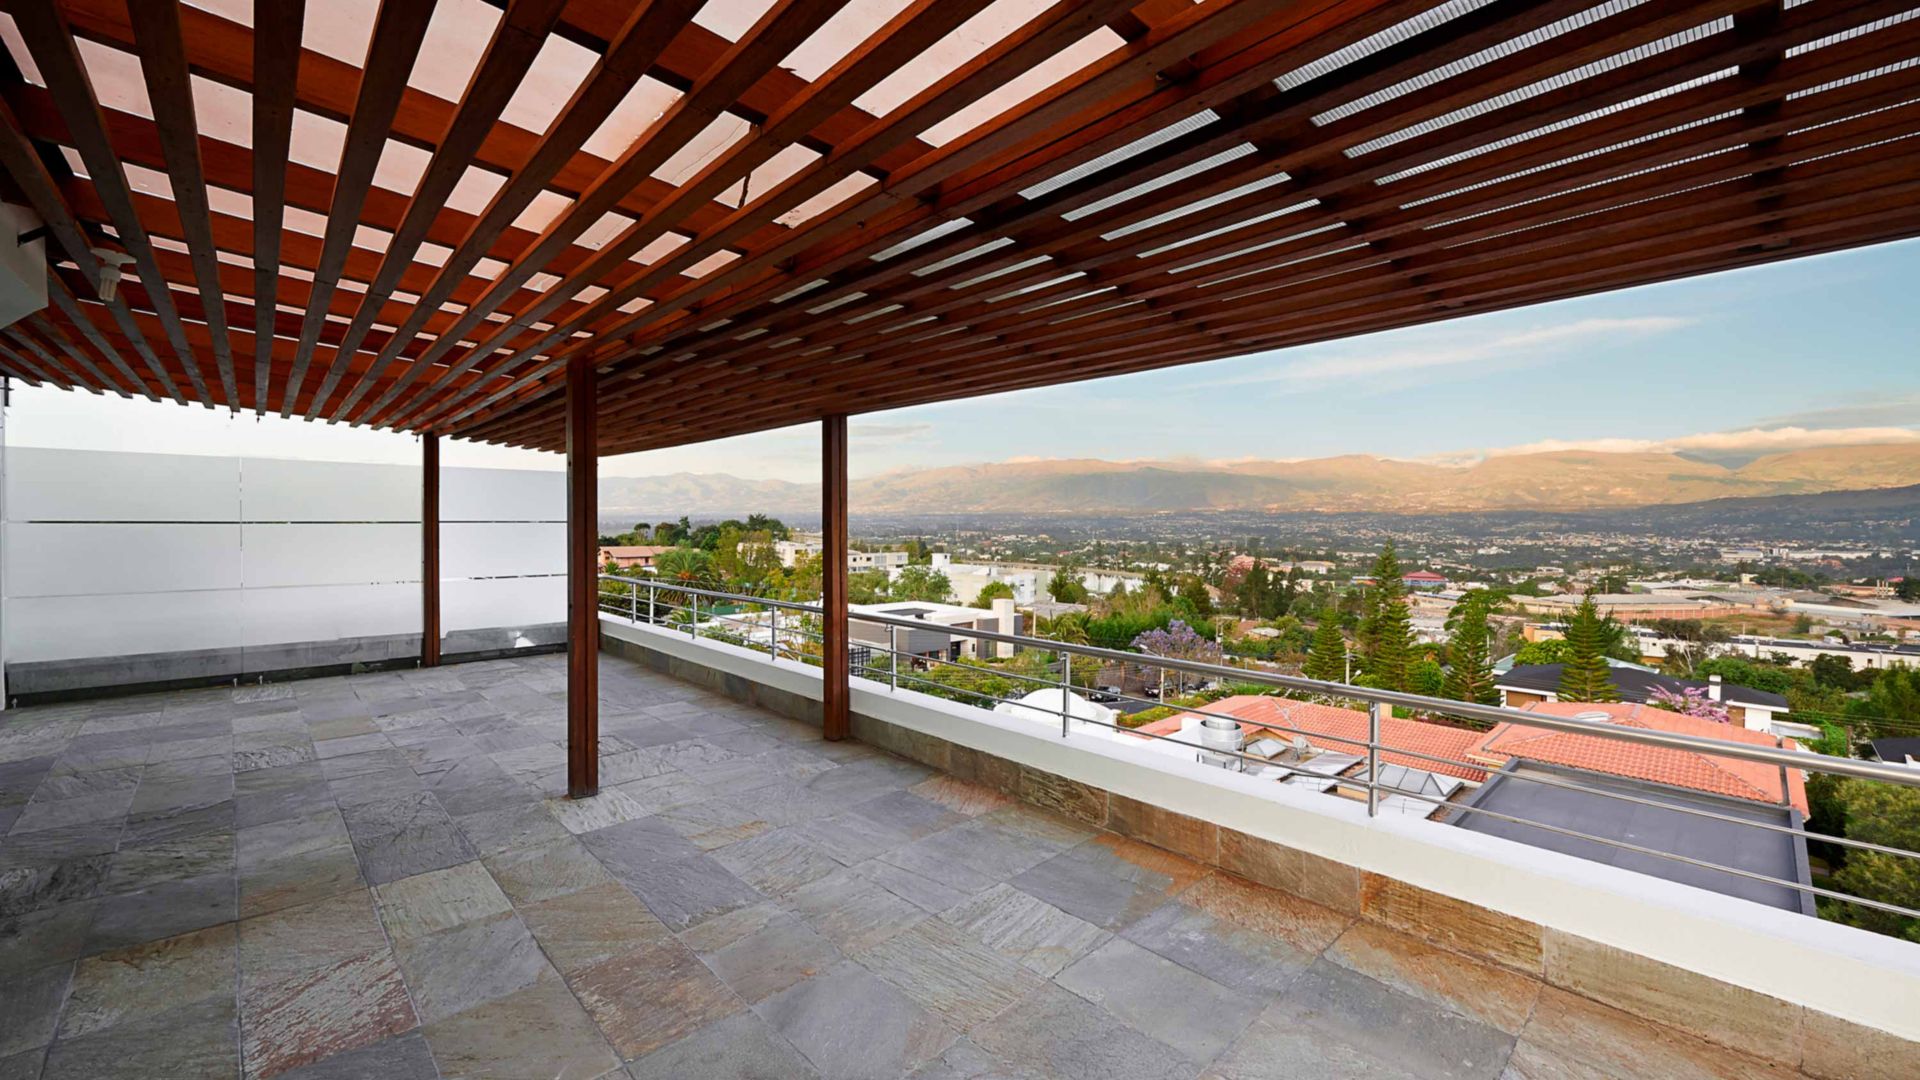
{"x": 1633, "y": 145}
{"x": 163, "y": 63}
{"x": 516, "y": 43}
{"x": 916, "y": 28}
{"x": 397, "y": 33}
{"x": 51, "y": 42}
{"x": 638, "y": 45}
{"x": 276, "y": 74}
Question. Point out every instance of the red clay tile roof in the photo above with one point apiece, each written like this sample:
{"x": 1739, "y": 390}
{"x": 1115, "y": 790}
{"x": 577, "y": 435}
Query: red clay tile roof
{"x": 1345, "y": 731}
{"x": 1661, "y": 765}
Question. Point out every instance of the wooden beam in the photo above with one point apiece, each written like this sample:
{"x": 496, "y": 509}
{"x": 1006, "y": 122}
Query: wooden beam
{"x": 276, "y": 70}
{"x": 163, "y": 62}
{"x": 429, "y": 550}
{"x": 835, "y": 689}
{"x": 583, "y": 584}
{"x": 397, "y": 33}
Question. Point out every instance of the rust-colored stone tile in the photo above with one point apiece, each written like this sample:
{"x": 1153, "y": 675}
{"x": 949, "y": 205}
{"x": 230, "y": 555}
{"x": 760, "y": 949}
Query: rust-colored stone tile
{"x": 1182, "y": 871}
{"x": 1492, "y": 995}
{"x": 1836, "y": 1049}
{"x": 1190, "y": 836}
{"x": 1323, "y": 881}
{"x": 1069, "y": 798}
{"x": 1570, "y": 1036}
{"x": 655, "y": 995}
{"x": 1301, "y": 923}
{"x": 960, "y": 796}
{"x": 1454, "y": 924}
{"x": 320, "y": 1012}
{"x": 1717, "y": 1011}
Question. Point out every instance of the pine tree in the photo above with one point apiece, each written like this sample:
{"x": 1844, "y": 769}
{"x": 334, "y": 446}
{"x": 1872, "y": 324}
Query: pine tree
{"x": 1327, "y": 657}
{"x": 1585, "y": 676}
{"x": 1470, "y": 668}
{"x": 1386, "y": 634}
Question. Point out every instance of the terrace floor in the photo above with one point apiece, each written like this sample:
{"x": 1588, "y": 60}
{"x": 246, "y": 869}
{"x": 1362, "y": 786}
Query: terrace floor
{"x": 370, "y": 877}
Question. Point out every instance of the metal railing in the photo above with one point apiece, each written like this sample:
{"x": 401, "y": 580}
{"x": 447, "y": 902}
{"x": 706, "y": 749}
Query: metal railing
{"x": 781, "y": 629}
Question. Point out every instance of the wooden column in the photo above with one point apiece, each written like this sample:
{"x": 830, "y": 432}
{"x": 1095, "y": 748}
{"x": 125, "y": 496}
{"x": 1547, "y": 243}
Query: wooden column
{"x": 583, "y": 582}
{"x": 834, "y": 691}
{"x": 430, "y": 550}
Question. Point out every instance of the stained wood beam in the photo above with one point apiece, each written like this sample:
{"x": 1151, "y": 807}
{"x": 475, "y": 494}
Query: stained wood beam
{"x": 836, "y": 694}
{"x": 583, "y": 584}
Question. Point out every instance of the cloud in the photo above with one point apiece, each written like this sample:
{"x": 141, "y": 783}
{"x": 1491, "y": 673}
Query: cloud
{"x": 1879, "y": 410}
{"x": 1455, "y": 352}
{"x": 1749, "y": 440}
{"x": 887, "y": 433}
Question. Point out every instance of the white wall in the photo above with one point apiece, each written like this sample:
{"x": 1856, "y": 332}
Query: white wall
{"x": 118, "y": 554}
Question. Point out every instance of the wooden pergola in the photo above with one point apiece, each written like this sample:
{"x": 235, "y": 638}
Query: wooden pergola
{"x": 600, "y": 227}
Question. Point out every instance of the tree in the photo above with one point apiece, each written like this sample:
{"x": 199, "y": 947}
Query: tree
{"x": 1178, "y": 641}
{"x": 1889, "y": 815}
{"x": 1892, "y": 703}
{"x": 1327, "y": 656}
{"x": 1585, "y": 676}
{"x": 690, "y": 567}
{"x": 1193, "y": 595}
{"x": 1425, "y": 677}
{"x": 1908, "y": 589}
{"x": 1469, "y": 667}
{"x": 1830, "y": 669}
{"x": 991, "y": 591}
{"x": 1692, "y": 701}
{"x": 920, "y": 583}
{"x": 867, "y": 587}
{"x": 1386, "y": 630}
{"x": 1065, "y": 587}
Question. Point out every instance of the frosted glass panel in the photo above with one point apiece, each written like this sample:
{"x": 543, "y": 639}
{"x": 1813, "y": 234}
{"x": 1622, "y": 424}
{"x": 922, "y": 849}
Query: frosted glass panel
{"x": 96, "y": 559}
{"x": 330, "y": 613}
{"x": 78, "y": 627}
{"x": 275, "y": 490}
{"x": 101, "y": 485}
{"x": 478, "y": 550}
{"x": 502, "y": 602}
{"x": 502, "y": 495}
{"x": 282, "y": 555}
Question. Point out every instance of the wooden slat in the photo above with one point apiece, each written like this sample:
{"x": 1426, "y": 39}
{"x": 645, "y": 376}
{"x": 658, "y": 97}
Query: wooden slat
{"x": 58, "y": 57}
{"x": 276, "y": 73}
{"x": 516, "y": 42}
{"x": 397, "y": 33}
{"x": 640, "y": 42}
{"x": 163, "y": 62}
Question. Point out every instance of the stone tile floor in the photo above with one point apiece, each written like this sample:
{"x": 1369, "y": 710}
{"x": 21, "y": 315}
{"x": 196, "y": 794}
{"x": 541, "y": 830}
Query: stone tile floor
{"x": 372, "y": 876}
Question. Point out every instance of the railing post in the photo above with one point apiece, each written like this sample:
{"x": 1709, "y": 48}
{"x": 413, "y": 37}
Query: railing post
{"x": 893, "y": 657}
{"x": 1373, "y": 759}
{"x": 653, "y": 600}
{"x": 1066, "y": 690}
{"x": 693, "y": 615}
{"x": 633, "y": 604}
{"x": 773, "y": 634}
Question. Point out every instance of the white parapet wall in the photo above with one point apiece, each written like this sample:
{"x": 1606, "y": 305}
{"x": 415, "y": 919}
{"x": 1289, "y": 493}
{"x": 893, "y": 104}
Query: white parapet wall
{"x": 1852, "y": 974}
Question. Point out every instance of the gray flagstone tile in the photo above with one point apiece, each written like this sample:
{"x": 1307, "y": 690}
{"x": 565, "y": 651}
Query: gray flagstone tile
{"x": 850, "y": 1024}
{"x": 742, "y": 1047}
{"x": 1026, "y": 930}
{"x": 1186, "y": 1010}
{"x": 146, "y": 980}
{"x": 196, "y": 1040}
{"x": 1057, "y": 1034}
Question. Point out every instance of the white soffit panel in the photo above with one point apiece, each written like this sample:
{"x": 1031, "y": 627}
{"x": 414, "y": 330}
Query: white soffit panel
{"x": 277, "y": 555}
{"x": 109, "y": 485}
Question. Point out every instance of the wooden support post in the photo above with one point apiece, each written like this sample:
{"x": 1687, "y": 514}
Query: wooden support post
{"x": 430, "y": 550}
{"x": 583, "y": 582}
{"x": 835, "y": 694}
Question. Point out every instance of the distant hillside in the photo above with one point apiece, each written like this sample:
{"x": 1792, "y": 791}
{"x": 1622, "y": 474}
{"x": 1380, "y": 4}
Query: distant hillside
{"x": 1559, "y": 481}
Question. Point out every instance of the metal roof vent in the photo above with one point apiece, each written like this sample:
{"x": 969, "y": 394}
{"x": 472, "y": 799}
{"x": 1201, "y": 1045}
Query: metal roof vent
{"x": 1221, "y": 742}
{"x": 1596, "y": 716}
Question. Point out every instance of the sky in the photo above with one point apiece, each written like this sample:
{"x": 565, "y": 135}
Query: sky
{"x": 1813, "y": 351}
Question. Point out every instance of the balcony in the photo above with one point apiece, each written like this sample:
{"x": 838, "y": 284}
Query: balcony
{"x": 380, "y": 875}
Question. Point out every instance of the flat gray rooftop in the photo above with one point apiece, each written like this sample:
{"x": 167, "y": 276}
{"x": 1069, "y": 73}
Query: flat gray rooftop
{"x": 1669, "y": 828}
{"x": 370, "y": 877}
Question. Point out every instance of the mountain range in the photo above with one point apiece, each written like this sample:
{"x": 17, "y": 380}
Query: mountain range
{"x": 1555, "y": 480}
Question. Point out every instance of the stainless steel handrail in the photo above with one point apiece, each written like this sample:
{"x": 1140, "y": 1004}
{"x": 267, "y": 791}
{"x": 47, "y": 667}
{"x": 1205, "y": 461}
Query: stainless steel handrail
{"x": 1865, "y": 770}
